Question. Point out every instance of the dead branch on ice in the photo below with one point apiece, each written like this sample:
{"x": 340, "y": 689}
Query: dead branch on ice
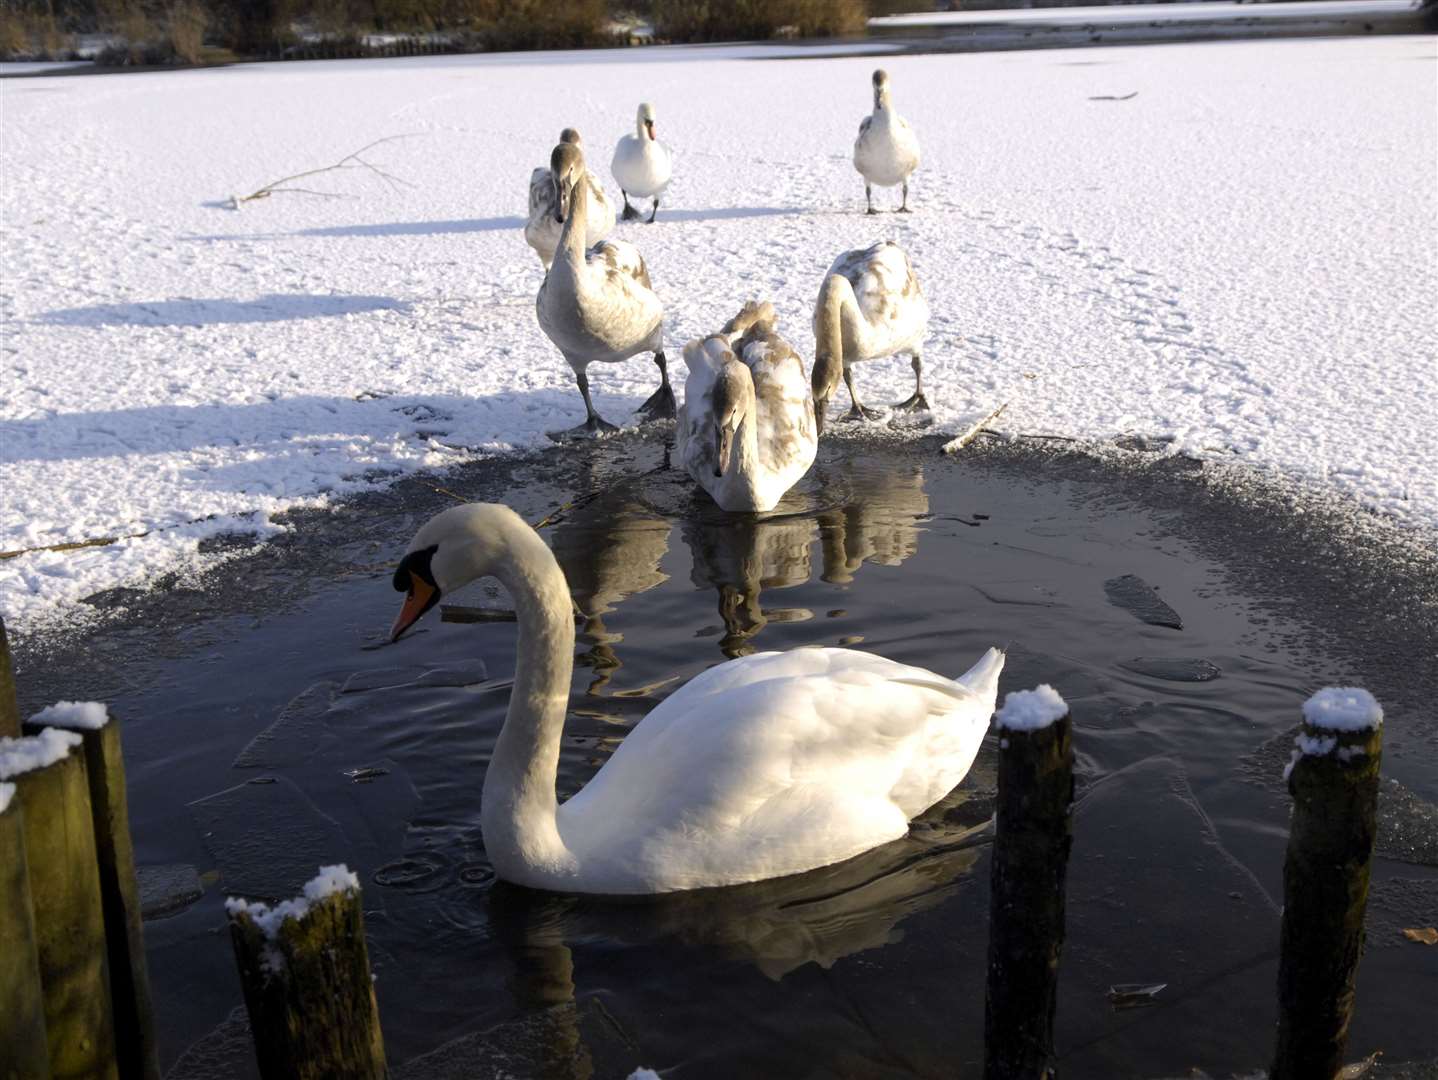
{"x": 955, "y": 445}
{"x": 349, "y": 161}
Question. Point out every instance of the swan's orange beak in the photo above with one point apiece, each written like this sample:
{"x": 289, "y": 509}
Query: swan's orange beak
{"x": 421, "y": 597}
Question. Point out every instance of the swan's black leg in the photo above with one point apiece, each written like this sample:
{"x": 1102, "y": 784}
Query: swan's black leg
{"x": 904, "y": 206}
{"x": 869, "y": 197}
{"x": 630, "y": 214}
{"x": 858, "y": 411}
{"x": 653, "y": 212}
{"x": 660, "y": 405}
{"x": 594, "y": 426}
{"x": 916, "y": 402}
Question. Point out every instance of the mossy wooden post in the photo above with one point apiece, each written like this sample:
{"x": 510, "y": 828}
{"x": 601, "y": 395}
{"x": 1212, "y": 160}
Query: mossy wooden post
{"x": 1333, "y": 779}
{"x": 24, "y": 1054}
{"x": 304, "y": 968}
{"x": 9, "y": 710}
{"x": 1032, "y": 838}
{"x": 135, "y": 1049}
{"x": 54, "y": 795}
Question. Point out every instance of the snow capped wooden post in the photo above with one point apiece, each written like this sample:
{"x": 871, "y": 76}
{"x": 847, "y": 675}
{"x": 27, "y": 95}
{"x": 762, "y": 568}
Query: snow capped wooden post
{"x": 22, "y": 1013}
{"x": 1033, "y": 834}
{"x": 54, "y": 796}
{"x": 9, "y": 710}
{"x": 305, "y": 972}
{"x": 136, "y": 1052}
{"x": 1333, "y": 778}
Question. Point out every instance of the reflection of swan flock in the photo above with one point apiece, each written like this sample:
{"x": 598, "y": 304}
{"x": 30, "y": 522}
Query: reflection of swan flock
{"x": 770, "y": 764}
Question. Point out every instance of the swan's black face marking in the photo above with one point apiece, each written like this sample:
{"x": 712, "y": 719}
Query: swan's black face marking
{"x": 414, "y": 577}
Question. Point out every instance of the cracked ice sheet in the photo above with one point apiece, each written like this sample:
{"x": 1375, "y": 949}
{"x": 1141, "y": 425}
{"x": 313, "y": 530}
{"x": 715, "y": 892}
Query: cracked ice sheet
{"x": 1239, "y": 260}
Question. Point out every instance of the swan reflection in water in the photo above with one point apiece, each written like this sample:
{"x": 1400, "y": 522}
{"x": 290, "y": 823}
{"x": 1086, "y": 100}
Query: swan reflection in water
{"x": 865, "y": 516}
{"x": 609, "y": 549}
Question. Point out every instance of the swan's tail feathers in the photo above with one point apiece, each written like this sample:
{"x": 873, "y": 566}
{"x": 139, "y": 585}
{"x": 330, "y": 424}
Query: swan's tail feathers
{"x": 752, "y": 314}
{"x": 939, "y": 685}
{"x": 983, "y": 677}
{"x": 709, "y": 351}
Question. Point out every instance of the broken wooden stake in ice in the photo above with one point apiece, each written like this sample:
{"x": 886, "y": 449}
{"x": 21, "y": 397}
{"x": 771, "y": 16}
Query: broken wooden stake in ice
{"x": 1333, "y": 778}
{"x": 304, "y": 968}
{"x": 1032, "y": 837}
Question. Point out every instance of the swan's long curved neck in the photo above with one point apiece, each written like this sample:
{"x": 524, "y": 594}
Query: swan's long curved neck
{"x": 838, "y": 311}
{"x": 519, "y": 805}
{"x": 576, "y": 225}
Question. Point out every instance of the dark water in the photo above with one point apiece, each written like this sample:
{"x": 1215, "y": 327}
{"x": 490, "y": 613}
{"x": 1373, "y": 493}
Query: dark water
{"x": 375, "y": 756}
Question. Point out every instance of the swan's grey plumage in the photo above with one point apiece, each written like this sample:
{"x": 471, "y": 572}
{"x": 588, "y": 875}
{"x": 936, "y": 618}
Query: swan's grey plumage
{"x": 598, "y": 305}
{"x": 746, "y": 431}
{"x": 760, "y": 767}
{"x": 887, "y": 150}
{"x": 641, "y": 164}
{"x": 869, "y": 306}
{"x": 542, "y": 229}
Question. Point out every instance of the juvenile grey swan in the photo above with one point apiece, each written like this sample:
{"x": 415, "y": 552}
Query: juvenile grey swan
{"x": 597, "y": 305}
{"x": 887, "y": 150}
{"x": 542, "y": 229}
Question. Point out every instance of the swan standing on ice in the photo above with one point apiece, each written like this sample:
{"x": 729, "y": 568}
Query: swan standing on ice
{"x": 542, "y": 229}
{"x": 870, "y": 305}
{"x": 598, "y": 305}
{"x": 746, "y": 431}
{"x": 641, "y": 164}
{"x": 764, "y": 766}
{"x": 887, "y": 150}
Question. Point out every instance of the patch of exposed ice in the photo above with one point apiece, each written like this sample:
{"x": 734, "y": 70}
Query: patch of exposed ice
{"x": 74, "y": 715}
{"x": 1030, "y": 710}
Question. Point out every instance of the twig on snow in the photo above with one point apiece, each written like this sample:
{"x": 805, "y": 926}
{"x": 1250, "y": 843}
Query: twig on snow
{"x": 953, "y": 446}
{"x": 349, "y": 161}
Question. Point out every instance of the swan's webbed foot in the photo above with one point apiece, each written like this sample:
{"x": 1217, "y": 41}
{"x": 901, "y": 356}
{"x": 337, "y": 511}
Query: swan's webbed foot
{"x": 863, "y": 412}
{"x": 630, "y": 214}
{"x": 596, "y": 427}
{"x": 915, "y": 402}
{"x": 872, "y": 211}
{"x": 661, "y": 405}
{"x": 903, "y": 210}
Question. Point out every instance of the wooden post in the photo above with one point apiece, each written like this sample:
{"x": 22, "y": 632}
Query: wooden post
{"x": 1333, "y": 778}
{"x": 1033, "y": 834}
{"x": 9, "y": 710}
{"x": 306, "y": 977}
{"x": 54, "y": 796}
{"x": 22, "y": 1015}
{"x": 136, "y": 1051}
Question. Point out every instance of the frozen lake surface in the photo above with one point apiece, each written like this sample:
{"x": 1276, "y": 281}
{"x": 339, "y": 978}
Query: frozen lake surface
{"x": 268, "y": 731}
{"x": 1225, "y": 249}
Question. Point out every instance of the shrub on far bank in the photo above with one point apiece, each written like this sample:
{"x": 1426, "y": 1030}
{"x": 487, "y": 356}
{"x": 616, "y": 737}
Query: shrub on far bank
{"x": 738, "y": 20}
{"x": 25, "y": 36}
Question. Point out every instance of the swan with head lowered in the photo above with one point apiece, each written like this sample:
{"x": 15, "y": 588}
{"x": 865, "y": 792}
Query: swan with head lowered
{"x": 869, "y": 306}
{"x": 641, "y": 164}
{"x": 542, "y": 229}
{"x": 746, "y": 431}
{"x": 597, "y": 304}
{"x": 887, "y": 150}
{"x": 761, "y": 767}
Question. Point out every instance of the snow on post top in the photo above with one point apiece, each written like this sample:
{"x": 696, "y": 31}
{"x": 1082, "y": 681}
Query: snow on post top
{"x": 1030, "y": 710}
{"x": 31, "y": 752}
{"x": 330, "y": 880}
{"x": 1343, "y": 708}
{"x": 76, "y": 715}
{"x": 7, "y": 792}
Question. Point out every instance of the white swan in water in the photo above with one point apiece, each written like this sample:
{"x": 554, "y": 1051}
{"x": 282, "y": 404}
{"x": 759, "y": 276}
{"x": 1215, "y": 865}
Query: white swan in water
{"x": 764, "y": 766}
{"x": 746, "y": 431}
{"x": 597, "y": 305}
{"x": 542, "y": 229}
{"x": 641, "y": 164}
{"x": 870, "y": 305}
{"x": 887, "y": 150}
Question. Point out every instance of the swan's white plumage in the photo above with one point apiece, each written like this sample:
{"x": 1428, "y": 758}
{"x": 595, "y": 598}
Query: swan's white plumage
{"x": 541, "y": 230}
{"x": 777, "y": 438}
{"x": 641, "y": 164}
{"x": 887, "y": 150}
{"x": 760, "y": 767}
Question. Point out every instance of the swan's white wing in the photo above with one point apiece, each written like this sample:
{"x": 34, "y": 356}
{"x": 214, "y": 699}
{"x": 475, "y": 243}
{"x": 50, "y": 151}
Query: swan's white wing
{"x": 774, "y": 764}
{"x": 888, "y": 294}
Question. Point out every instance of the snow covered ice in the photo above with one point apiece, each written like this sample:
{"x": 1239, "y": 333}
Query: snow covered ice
{"x": 1238, "y": 261}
